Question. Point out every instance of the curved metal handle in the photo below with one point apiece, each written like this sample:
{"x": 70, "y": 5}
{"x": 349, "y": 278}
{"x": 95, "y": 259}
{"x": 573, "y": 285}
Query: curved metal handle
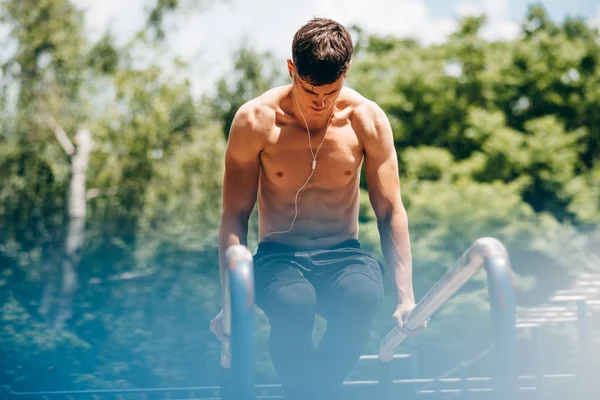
{"x": 238, "y": 293}
{"x": 238, "y": 323}
{"x": 473, "y": 258}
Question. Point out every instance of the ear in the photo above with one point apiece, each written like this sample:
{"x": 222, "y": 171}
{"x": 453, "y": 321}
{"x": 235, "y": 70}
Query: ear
{"x": 348, "y": 69}
{"x": 291, "y": 68}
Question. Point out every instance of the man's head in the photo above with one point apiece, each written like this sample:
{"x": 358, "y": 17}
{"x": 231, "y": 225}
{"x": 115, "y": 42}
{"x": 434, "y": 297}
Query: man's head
{"x": 321, "y": 52}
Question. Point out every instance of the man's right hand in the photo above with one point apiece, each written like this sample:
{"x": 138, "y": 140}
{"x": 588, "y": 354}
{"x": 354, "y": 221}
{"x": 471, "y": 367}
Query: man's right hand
{"x": 216, "y": 327}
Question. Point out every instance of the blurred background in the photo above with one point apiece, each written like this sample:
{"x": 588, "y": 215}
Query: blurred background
{"x": 113, "y": 122}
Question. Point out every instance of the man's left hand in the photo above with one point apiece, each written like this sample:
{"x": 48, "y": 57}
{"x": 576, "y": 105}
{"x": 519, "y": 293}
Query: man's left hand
{"x": 402, "y": 310}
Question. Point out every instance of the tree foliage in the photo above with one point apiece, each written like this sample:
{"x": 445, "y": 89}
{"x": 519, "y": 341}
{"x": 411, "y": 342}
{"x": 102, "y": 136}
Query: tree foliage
{"x": 494, "y": 139}
{"x": 153, "y": 204}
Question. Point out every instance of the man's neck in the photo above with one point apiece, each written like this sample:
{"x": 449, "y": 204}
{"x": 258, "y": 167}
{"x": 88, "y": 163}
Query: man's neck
{"x": 315, "y": 123}
{"x": 304, "y": 117}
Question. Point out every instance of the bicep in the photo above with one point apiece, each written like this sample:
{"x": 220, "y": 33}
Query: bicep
{"x": 242, "y": 168}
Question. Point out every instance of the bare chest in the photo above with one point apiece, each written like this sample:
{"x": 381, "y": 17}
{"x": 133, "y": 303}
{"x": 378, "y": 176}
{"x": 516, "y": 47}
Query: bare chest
{"x": 287, "y": 159}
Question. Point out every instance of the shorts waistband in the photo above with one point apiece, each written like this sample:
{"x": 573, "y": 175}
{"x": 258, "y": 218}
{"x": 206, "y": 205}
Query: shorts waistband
{"x": 278, "y": 247}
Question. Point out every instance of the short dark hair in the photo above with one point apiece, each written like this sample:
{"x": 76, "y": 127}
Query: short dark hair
{"x": 322, "y": 50}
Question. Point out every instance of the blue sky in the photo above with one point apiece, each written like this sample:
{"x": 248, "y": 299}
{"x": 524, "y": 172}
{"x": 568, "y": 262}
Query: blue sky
{"x": 557, "y": 9}
{"x": 208, "y": 39}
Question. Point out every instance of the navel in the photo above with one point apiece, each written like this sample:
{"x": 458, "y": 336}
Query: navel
{"x": 279, "y": 174}
{"x": 348, "y": 172}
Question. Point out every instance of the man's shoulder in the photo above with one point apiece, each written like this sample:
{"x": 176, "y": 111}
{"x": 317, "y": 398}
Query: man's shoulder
{"x": 367, "y": 113}
{"x": 260, "y": 112}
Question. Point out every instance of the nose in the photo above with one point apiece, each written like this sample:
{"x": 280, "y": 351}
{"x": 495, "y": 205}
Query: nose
{"x": 320, "y": 102}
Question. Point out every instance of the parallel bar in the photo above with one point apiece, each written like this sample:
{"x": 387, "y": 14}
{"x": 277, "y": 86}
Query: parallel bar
{"x": 503, "y": 307}
{"x": 238, "y": 314}
{"x": 492, "y": 254}
{"x": 450, "y": 283}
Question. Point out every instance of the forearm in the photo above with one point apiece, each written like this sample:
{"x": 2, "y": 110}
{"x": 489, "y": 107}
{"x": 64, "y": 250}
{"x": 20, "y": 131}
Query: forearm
{"x": 233, "y": 231}
{"x": 395, "y": 245}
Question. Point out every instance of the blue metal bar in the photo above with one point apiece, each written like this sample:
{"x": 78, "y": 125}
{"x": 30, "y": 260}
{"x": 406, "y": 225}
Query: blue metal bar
{"x": 503, "y": 307}
{"x": 239, "y": 321}
{"x": 491, "y": 254}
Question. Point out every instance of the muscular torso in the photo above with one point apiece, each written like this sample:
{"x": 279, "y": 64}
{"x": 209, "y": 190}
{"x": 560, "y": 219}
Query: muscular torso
{"x": 328, "y": 205}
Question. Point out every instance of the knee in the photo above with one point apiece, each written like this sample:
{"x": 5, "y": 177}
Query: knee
{"x": 293, "y": 301}
{"x": 360, "y": 292}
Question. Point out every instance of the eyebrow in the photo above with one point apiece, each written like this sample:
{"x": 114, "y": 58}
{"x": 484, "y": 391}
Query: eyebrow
{"x": 310, "y": 91}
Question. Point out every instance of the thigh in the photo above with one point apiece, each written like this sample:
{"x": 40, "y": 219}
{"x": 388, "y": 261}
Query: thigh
{"x": 273, "y": 272}
{"x": 351, "y": 276}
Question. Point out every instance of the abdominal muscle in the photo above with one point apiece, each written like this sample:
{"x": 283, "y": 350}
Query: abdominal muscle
{"x": 326, "y": 216}
{"x": 328, "y": 203}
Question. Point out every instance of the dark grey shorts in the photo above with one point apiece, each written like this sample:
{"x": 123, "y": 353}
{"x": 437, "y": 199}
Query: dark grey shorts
{"x": 277, "y": 265}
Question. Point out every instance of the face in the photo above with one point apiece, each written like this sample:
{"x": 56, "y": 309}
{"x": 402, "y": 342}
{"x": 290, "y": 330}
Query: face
{"x": 315, "y": 100}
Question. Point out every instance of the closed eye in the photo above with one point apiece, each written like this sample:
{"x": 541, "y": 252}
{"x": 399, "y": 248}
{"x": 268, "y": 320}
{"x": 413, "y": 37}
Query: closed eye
{"x": 316, "y": 94}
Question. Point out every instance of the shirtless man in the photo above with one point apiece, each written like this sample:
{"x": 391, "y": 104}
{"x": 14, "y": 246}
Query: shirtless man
{"x": 299, "y": 149}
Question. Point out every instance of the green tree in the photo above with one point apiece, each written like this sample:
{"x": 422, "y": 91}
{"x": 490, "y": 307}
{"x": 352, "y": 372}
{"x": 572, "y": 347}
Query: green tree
{"x": 494, "y": 139}
{"x": 253, "y": 74}
{"x": 153, "y": 200}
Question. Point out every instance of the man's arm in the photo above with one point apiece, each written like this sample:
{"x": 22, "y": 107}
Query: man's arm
{"x": 381, "y": 169}
{"x": 240, "y": 183}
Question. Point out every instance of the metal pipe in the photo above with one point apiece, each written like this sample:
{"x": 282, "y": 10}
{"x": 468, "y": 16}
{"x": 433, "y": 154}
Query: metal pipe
{"x": 491, "y": 254}
{"x": 238, "y": 321}
{"x": 503, "y": 307}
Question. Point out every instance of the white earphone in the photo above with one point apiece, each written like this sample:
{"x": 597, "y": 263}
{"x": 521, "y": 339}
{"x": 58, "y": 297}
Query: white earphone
{"x": 314, "y": 162}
